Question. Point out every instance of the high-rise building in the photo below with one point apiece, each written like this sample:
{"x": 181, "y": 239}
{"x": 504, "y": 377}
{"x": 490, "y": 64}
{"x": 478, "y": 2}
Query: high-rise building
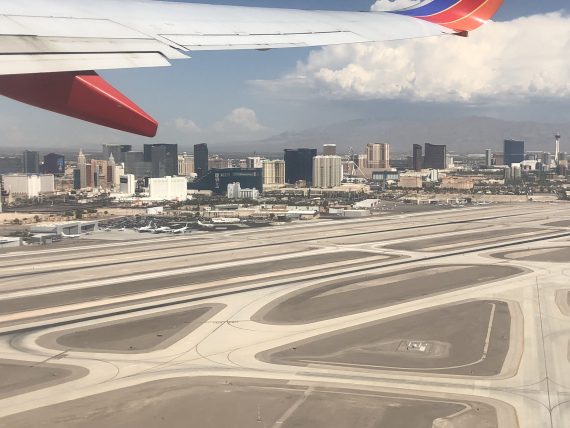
{"x": 253, "y": 162}
{"x": 135, "y": 164}
{"x": 128, "y": 184}
{"x": 557, "y": 148}
{"x": 299, "y": 165}
{"x": 114, "y": 173}
{"x": 327, "y": 171}
{"x": 201, "y": 159}
{"x": 164, "y": 159}
{"x": 100, "y": 174}
{"x": 513, "y": 152}
{"x": 31, "y": 162}
{"x": 329, "y": 150}
{"x": 378, "y": 156}
{"x": 361, "y": 161}
{"x": 29, "y": 185}
{"x": 117, "y": 150}
{"x": 513, "y": 174}
{"x": 488, "y": 158}
{"x": 273, "y": 172}
{"x": 185, "y": 165}
{"x": 82, "y": 167}
{"x": 54, "y": 164}
{"x": 236, "y": 192}
{"x": 168, "y": 188}
{"x": 546, "y": 159}
{"x": 11, "y": 164}
{"x": 417, "y": 157}
{"x": 77, "y": 179}
{"x": 435, "y": 156}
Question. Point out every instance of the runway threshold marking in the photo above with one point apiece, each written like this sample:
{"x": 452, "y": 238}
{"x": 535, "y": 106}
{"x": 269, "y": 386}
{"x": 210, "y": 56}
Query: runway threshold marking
{"x": 293, "y": 408}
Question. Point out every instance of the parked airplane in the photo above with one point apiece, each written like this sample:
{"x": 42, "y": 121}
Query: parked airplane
{"x": 72, "y": 236}
{"x": 206, "y": 225}
{"x": 144, "y": 229}
{"x": 226, "y": 220}
{"x": 163, "y": 229}
{"x": 181, "y": 230}
{"x": 47, "y": 47}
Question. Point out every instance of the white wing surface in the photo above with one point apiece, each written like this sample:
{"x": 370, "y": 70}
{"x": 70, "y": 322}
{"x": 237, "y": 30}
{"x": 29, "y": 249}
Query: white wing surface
{"x": 67, "y": 35}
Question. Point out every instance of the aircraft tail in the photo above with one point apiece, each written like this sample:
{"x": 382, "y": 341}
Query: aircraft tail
{"x": 459, "y": 15}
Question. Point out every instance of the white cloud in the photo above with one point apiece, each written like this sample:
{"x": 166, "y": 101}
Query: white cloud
{"x": 507, "y": 61}
{"x": 187, "y": 125}
{"x": 239, "y": 120}
{"x": 241, "y": 124}
{"x": 385, "y": 5}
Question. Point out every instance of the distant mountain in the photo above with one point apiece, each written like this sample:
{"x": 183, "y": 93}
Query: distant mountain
{"x": 463, "y": 135}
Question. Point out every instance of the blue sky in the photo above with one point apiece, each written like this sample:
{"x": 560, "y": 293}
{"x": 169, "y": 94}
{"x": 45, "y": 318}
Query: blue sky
{"x": 204, "y": 90}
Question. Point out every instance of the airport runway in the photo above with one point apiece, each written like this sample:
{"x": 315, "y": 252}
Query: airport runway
{"x": 444, "y": 319}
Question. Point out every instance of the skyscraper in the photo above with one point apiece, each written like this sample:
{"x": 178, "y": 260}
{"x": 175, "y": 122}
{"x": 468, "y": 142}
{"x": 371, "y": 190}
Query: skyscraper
{"x": 253, "y": 162}
{"x": 514, "y": 152}
{"x": 327, "y": 171}
{"x": 201, "y": 159}
{"x": 488, "y": 158}
{"x": 417, "y": 157}
{"x": 299, "y": 165}
{"x": 164, "y": 159}
{"x": 185, "y": 165}
{"x": 135, "y": 165}
{"x": 54, "y": 164}
{"x": 329, "y": 149}
{"x": 273, "y": 172}
{"x": 31, "y": 162}
{"x": 82, "y": 168}
{"x": 435, "y": 156}
{"x": 378, "y": 156}
{"x": 117, "y": 150}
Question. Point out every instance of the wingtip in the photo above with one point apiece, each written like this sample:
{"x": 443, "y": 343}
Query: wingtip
{"x": 458, "y": 15}
{"x": 83, "y": 95}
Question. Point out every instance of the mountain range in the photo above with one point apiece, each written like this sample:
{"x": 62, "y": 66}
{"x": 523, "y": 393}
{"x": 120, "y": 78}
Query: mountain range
{"x": 463, "y": 135}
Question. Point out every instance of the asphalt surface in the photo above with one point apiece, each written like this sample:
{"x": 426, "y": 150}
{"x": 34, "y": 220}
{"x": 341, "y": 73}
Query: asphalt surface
{"x": 246, "y": 403}
{"x": 344, "y": 297}
{"x": 549, "y": 255}
{"x": 196, "y": 278}
{"x": 464, "y": 240}
{"x": 133, "y": 335}
{"x": 18, "y": 377}
{"x": 457, "y": 347}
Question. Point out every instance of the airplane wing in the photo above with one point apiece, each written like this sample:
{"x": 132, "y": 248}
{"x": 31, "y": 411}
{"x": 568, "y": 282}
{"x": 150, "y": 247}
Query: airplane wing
{"x": 46, "y": 46}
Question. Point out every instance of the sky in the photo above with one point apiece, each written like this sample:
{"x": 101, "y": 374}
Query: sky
{"x": 515, "y": 68}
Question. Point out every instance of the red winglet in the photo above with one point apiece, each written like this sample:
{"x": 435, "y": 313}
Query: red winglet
{"x": 460, "y": 15}
{"x": 83, "y": 95}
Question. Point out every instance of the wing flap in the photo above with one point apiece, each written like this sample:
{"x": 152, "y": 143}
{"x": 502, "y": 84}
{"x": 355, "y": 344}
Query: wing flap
{"x": 50, "y": 63}
{"x": 260, "y": 41}
{"x": 65, "y": 27}
{"x": 33, "y": 44}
